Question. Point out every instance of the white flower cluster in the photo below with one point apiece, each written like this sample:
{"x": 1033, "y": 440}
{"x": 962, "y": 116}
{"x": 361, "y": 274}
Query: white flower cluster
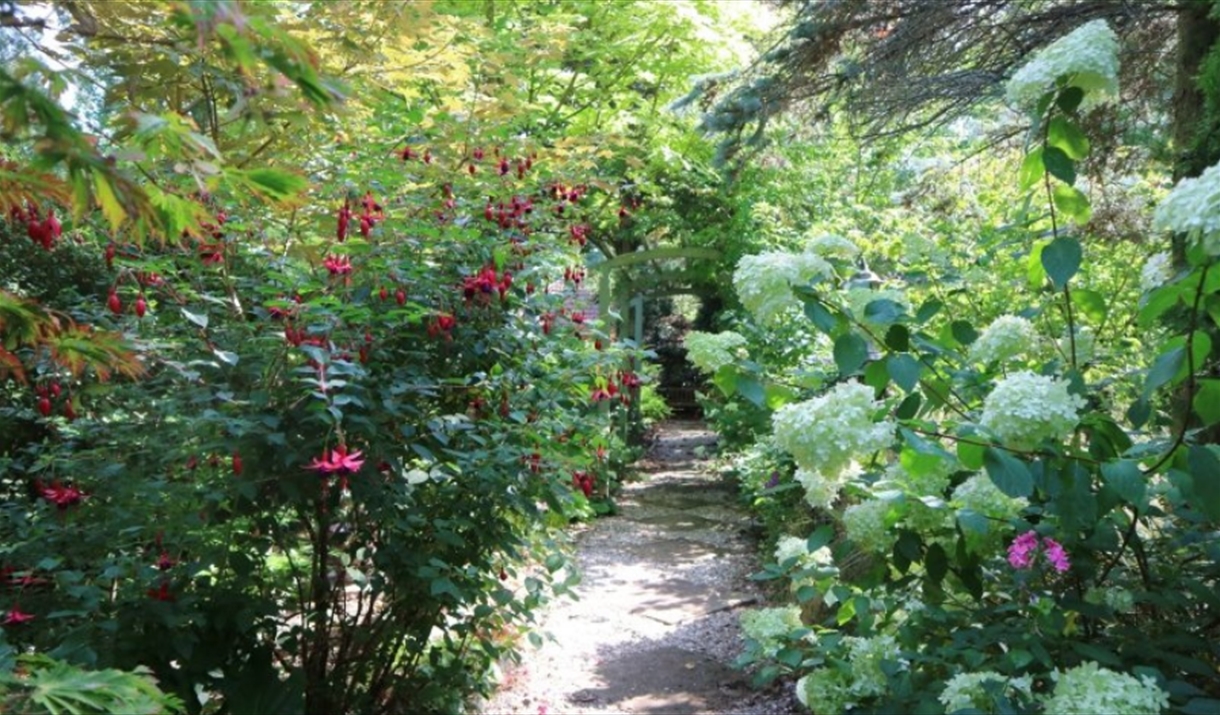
{"x": 932, "y": 483}
{"x": 1194, "y": 207}
{"x": 833, "y": 246}
{"x": 867, "y": 654}
{"x": 866, "y": 525}
{"x": 1088, "y": 689}
{"x": 793, "y": 547}
{"x": 1008, "y": 337}
{"x": 979, "y": 494}
{"x": 1157, "y": 271}
{"x": 820, "y": 491}
{"x": 764, "y": 282}
{"x": 824, "y": 690}
{"x": 711, "y": 351}
{"x": 1086, "y": 344}
{"x": 965, "y": 691}
{"x": 825, "y": 433}
{"x": 770, "y": 626}
{"x": 1087, "y": 57}
{"x": 1025, "y": 409}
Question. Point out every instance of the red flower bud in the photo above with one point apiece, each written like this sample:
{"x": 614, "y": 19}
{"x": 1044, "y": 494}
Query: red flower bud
{"x": 44, "y": 406}
{"x": 237, "y": 465}
{"x": 115, "y": 305}
{"x": 141, "y": 307}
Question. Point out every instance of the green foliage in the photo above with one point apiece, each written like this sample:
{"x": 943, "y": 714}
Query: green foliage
{"x": 39, "y": 684}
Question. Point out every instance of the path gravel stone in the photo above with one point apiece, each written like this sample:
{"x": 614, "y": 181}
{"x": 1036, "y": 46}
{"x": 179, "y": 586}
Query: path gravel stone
{"x": 655, "y": 629}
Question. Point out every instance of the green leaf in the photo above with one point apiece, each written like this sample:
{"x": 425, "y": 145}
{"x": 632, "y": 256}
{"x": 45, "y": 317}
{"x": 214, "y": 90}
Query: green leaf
{"x": 971, "y": 454}
{"x": 928, "y": 310}
{"x": 1127, "y": 480}
{"x": 1163, "y": 369}
{"x": 820, "y": 537}
{"x": 850, "y": 352}
{"x": 751, "y": 388}
{"x": 1065, "y": 135}
{"x": 272, "y": 184}
{"x": 197, "y": 318}
{"x": 1069, "y": 99}
{"x": 937, "y": 562}
{"x": 725, "y": 380}
{"x": 876, "y": 376}
{"x": 964, "y": 332}
{"x": 1032, "y": 170}
{"x": 1091, "y": 303}
{"x": 821, "y": 317}
{"x": 898, "y": 338}
{"x": 909, "y": 407}
{"x": 1009, "y": 474}
{"x": 882, "y": 311}
{"x": 904, "y": 371}
{"x": 112, "y": 209}
{"x": 1059, "y": 164}
{"x": 1071, "y": 203}
{"x": 1207, "y": 401}
{"x": 1061, "y": 259}
{"x": 1201, "y": 706}
{"x": 1205, "y": 475}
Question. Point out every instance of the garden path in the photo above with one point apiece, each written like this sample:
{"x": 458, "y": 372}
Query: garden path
{"x": 656, "y": 627}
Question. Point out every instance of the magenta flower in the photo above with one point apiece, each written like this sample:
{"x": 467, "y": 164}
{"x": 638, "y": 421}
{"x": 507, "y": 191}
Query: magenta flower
{"x": 340, "y": 461}
{"x": 16, "y": 617}
{"x": 1056, "y": 555}
{"x": 1021, "y": 551}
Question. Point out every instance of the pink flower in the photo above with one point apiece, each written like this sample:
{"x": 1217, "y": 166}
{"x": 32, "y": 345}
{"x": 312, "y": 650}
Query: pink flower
{"x": 1024, "y": 548}
{"x": 338, "y": 265}
{"x": 1056, "y": 555}
{"x": 16, "y": 617}
{"x": 1021, "y": 551}
{"x": 340, "y": 461}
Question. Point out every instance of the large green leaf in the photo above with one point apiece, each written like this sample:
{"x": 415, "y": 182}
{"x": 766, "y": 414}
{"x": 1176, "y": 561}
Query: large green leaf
{"x": 850, "y": 352}
{"x": 1059, "y": 164}
{"x": 1205, "y": 476}
{"x": 1066, "y": 136}
{"x": 1061, "y": 259}
{"x": 1009, "y": 474}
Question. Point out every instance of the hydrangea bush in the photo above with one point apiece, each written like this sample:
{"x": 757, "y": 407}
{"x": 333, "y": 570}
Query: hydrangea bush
{"x": 1020, "y": 505}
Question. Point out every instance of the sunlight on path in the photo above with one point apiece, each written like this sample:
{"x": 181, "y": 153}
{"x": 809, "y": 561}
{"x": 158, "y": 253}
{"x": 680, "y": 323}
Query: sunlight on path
{"x": 655, "y": 630}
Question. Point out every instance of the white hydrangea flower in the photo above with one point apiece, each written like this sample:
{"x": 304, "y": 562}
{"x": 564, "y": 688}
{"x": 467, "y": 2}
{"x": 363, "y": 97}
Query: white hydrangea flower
{"x": 866, "y": 526}
{"x": 1025, "y": 409}
{"x": 980, "y": 495}
{"x": 824, "y": 690}
{"x": 1157, "y": 271}
{"x": 794, "y": 547}
{"x": 868, "y": 679}
{"x": 833, "y": 246}
{"x": 919, "y": 516}
{"x": 825, "y": 433}
{"x": 769, "y": 626}
{"x": 711, "y": 351}
{"x": 1008, "y": 337}
{"x": 1086, "y": 342}
{"x": 764, "y": 282}
{"x": 820, "y": 491}
{"x": 1193, "y": 206}
{"x": 964, "y": 691}
{"x": 1087, "y": 57}
{"x": 1088, "y": 689}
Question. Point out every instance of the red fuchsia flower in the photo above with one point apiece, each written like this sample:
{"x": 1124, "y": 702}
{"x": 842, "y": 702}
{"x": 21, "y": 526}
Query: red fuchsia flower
{"x": 114, "y": 304}
{"x": 629, "y": 379}
{"x": 442, "y": 324}
{"x": 16, "y": 616}
{"x": 584, "y": 482}
{"x": 141, "y": 307}
{"x": 164, "y": 562}
{"x": 340, "y": 461}
{"x": 407, "y": 154}
{"x": 237, "y": 463}
{"x": 161, "y": 593}
{"x": 345, "y": 217}
{"x": 338, "y": 265}
{"x": 61, "y": 496}
{"x": 400, "y": 296}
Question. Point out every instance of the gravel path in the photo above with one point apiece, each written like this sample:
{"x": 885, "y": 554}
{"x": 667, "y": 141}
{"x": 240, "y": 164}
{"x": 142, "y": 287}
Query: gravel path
{"x": 655, "y": 629}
